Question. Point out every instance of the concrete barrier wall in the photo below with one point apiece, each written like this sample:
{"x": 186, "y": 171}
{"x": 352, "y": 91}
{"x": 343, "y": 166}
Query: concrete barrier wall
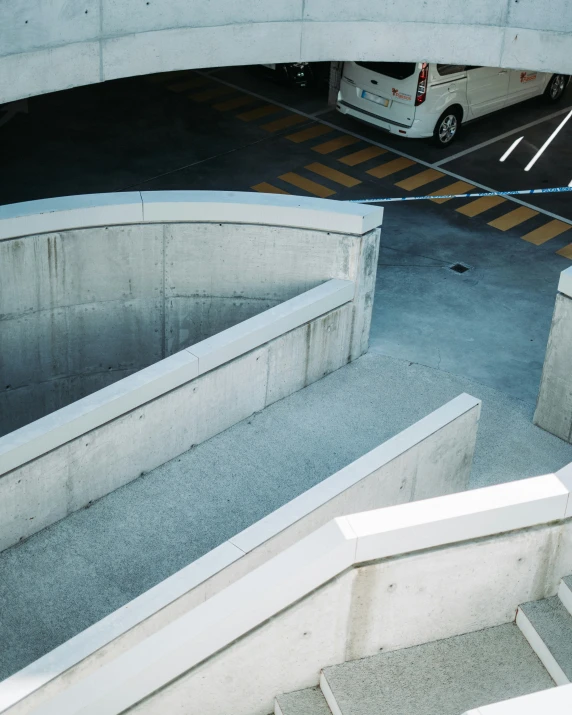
{"x": 554, "y": 407}
{"x": 159, "y": 412}
{"x": 95, "y": 288}
{"x": 556, "y": 701}
{"x": 387, "y": 578}
{"x": 66, "y": 43}
{"x": 430, "y": 458}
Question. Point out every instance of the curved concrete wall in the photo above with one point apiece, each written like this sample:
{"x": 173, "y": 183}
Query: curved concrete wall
{"x": 100, "y": 287}
{"x": 48, "y": 46}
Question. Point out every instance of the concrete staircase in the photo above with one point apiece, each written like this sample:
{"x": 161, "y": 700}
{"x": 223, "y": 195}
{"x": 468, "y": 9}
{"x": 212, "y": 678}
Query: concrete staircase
{"x": 454, "y": 675}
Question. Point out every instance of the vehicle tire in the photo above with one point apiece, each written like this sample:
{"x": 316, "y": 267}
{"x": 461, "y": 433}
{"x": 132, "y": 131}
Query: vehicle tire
{"x": 447, "y": 127}
{"x": 555, "y": 87}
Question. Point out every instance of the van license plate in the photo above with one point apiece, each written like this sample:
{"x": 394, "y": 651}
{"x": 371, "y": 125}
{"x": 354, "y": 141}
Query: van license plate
{"x": 374, "y": 98}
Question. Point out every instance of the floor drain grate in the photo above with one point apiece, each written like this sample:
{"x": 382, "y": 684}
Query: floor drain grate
{"x": 459, "y": 268}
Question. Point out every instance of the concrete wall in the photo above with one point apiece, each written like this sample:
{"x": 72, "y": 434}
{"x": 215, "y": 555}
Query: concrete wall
{"x": 83, "y": 307}
{"x": 554, "y": 406}
{"x": 556, "y": 701}
{"x": 430, "y": 458}
{"x": 54, "y": 45}
{"x": 387, "y": 578}
{"x": 94, "y": 445}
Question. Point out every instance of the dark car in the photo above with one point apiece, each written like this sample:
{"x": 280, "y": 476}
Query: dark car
{"x": 297, "y": 74}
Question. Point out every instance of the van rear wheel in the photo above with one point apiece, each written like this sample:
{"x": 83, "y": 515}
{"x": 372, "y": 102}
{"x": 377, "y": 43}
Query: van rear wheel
{"x": 555, "y": 88}
{"x": 447, "y": 127}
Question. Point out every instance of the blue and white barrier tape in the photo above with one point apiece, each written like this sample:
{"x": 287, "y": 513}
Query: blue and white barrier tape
{"x": 463, "y": 196}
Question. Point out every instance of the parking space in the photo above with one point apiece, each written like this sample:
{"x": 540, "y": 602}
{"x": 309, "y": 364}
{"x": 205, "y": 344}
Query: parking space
{"x": 231, "y": 129}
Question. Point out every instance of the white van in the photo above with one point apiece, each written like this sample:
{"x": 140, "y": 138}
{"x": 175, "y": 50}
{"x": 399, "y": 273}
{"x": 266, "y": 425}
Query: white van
{"x": 420, "y": 99}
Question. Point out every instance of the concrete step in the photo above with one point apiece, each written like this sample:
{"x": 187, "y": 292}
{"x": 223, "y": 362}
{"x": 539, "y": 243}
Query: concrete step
{"x": 565, "y": 593}
{"x": 309, "y": 701}
{"x": 547, "y": 626}
{"x": 446, "y": 677}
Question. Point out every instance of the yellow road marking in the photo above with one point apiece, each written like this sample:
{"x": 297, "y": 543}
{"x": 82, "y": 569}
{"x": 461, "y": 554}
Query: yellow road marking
{"x": 478, "y": 206}
{"x": 390, "y": 167}
{"x": 458, "y": 187}
{"x": 310, "y": 186}
{"x": 546, "y": 232}
{"x": 338, "y": 176}
{"x": 310, "y": 133}
{"x": 424, "y": 177}
{"x": 268, "y": 188}
{"x": 234, "y": 103}
{"x": 513, "y": 218}
{"x": 358, "y": 157}
{"x": 333, "y": 144}
{"x": 284, "y": 123}
{"x": 192, "y": 83}
{"x": 566, "y": 251}
{"x": 207, "y": 94}
{"x": 259, "y": 112}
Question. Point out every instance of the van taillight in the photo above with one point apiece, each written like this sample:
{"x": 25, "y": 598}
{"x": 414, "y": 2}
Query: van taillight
{"x": 421, "y": 95}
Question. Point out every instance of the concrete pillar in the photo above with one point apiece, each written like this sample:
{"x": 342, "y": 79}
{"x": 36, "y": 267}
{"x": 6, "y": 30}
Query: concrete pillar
{"x": 554, "y": 406}
{"x": 336, "y": 69}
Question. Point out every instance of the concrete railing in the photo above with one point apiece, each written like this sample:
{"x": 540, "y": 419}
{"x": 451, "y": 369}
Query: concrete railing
{"x": 287, "y": 254}
{"x": 554, "y": 407}
{"x": 394, "y": 577}
{"x": 430, "y": 458}
{"x": 95, "y": 288}
{"x": 555, "y": 701}
{"x": 52, "y": 46}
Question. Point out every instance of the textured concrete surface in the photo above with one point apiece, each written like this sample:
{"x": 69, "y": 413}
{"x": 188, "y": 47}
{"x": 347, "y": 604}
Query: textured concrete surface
{"x": 73, "y": 573}
{"x": 554, "y": 407}
{"x": 445, "y": 677}
{"x": 110, "y": 40}
{"x": 309, "y": 701}
{"x": 553, "y": 624}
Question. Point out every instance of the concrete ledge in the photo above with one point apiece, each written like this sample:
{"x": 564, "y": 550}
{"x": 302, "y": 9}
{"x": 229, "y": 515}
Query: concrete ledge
{"x": 251, "y": 333}
{"x": 64, "y": 425}
{"x": 69, "y": 212}
{"x": 459, "y": 517}
{"x": 377, "y": 479}
{"x": 83, "y": 47}
{"x": 370, "y": 463}
{"x": 554, "y": 405}
{"x": 556, "y": 701}
{"x": 565, "y": 282}
{"x": 295, "y": 574}
{"x": 91, "y": 210}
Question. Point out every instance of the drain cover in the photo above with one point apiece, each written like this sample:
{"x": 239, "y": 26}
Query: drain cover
{"x": 459, "y": 268}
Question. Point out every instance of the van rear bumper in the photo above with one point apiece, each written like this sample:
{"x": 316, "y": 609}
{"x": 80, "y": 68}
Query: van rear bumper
{"x": 419, "y": 129}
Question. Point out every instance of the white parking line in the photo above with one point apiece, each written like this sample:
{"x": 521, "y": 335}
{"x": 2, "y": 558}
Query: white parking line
{"x": 501, "y": 136}
{"x": 400, "y": 153}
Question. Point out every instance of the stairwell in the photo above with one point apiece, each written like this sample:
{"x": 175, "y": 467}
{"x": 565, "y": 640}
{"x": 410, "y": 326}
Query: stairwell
{"x": 454, "y": 675}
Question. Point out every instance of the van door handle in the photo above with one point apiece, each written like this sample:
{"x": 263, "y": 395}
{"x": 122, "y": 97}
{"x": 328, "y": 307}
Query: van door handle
{"x": 503, "y": 71}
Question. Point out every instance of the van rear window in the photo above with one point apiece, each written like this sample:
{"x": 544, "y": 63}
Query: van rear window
{"x": 396, "y": 70}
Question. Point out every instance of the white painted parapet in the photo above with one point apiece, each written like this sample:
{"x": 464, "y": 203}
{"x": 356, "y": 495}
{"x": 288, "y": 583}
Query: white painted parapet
{"x": 554, "y": 407}
{"x": 67, "y": 213}
{"x": 555, "y": 701}
{"x": 51, "y": 46}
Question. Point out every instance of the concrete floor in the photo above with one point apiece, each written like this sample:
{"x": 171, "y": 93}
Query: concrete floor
{"x": 434, "y": 334}
{"x": 446, "y": 677}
